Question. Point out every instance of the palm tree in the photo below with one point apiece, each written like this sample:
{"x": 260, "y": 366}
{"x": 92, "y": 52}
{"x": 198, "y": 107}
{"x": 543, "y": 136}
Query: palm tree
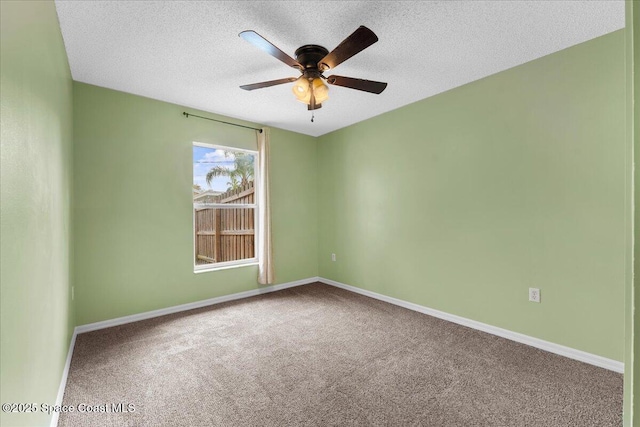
{"x": 242, "y": 171}
{"x": 233, "y": 184}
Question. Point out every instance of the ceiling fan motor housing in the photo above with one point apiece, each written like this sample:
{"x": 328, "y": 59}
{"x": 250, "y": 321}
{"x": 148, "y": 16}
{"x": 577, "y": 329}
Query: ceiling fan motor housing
{"x": 310, "y": 55}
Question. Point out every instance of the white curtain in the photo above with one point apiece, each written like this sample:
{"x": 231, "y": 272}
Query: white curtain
{"x": 266, "y": 274}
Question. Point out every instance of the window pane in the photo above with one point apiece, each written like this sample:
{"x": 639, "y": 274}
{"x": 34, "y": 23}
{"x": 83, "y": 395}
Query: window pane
{"x": 223, "y": 176}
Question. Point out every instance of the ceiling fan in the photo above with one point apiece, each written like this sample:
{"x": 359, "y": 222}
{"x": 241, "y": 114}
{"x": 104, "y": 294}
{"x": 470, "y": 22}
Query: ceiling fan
{"x": 312, "y": 60}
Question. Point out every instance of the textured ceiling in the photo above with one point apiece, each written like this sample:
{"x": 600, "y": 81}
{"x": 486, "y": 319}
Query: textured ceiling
{"x": 189, "y": 52}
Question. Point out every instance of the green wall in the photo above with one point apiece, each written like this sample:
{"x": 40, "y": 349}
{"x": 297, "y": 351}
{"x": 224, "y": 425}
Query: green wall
{"x": 133, "y": 205}
{"x": 35, "y": 208}
{"x": 636, "y": 141}
{"x": 632, "y": 371}
{"x": 463, "y": 201}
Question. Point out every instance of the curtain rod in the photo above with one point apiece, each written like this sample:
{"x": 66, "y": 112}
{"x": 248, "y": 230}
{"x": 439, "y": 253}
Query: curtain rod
{"x": 220, "y": 121}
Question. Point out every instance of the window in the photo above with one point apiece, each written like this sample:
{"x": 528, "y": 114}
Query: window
{"x": 224, "y": 206}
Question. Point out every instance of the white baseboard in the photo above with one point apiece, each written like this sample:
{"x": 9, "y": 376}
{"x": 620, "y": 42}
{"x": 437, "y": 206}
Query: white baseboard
{"x": 63, "y": 381}
{"x": 561, "y": 350}
{"x": 190, "y": 306}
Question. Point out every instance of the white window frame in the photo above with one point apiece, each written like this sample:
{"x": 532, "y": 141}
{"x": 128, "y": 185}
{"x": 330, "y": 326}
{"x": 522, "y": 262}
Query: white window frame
{"x": 202, "y": 268}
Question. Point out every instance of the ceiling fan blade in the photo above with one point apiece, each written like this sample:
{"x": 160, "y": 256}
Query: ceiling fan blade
{"x": 260, "y": 42}
{"x": 269, "y": 83}
{"x": 359, "y": 84}
{"x": 358, "y": 41}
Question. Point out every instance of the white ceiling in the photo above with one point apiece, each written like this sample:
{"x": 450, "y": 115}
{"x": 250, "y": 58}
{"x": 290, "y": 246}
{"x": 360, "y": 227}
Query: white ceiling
{"x": 189, "y": 52}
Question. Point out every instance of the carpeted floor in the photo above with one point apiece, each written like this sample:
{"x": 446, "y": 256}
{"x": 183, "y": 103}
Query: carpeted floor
{"x": 317, "y": 355}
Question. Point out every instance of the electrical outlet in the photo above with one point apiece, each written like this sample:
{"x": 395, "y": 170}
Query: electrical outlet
{"x": 333, "y": 257}
{"x": 73, "y": 293}
{"x": 534, "y": 294}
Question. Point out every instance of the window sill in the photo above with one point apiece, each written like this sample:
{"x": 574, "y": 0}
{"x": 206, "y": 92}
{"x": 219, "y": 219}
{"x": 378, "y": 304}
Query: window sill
{"x": 224, "y": 267}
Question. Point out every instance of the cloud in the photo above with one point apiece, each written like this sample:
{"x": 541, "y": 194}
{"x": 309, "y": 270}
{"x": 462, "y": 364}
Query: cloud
{"x": 208, "y": 158}
{"x": 217, "y": 156}
{"x": 199, "y": 168}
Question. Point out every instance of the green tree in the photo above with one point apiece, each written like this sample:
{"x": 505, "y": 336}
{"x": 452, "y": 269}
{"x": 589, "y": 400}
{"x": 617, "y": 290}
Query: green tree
{"x": 234, "y": 184}
{"x": 241, "y": 173}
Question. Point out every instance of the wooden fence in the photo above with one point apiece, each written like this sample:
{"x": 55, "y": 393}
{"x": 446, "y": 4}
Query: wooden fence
{"x": 226, "y": 234}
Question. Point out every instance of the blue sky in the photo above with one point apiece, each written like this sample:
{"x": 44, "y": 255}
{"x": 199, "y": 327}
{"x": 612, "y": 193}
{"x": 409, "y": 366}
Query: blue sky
{"x": 206, "y": 158}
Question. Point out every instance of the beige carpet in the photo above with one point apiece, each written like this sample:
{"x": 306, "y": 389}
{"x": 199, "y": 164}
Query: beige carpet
{"x": 316, "y": 355}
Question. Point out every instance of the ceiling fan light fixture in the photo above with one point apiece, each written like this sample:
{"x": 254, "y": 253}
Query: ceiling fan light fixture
{"x": 320, "y": 90}
{"x": 304, "y": 86}
{"x": 301, "y": 89}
